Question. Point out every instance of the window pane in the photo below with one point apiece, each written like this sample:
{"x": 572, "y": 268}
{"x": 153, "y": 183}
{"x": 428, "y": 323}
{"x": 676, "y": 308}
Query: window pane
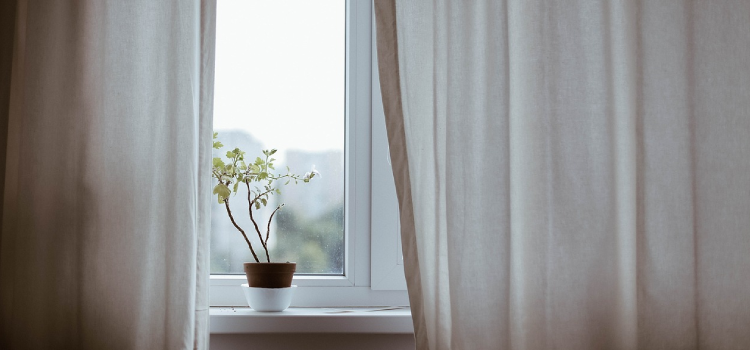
{"x": 280, "y": 83}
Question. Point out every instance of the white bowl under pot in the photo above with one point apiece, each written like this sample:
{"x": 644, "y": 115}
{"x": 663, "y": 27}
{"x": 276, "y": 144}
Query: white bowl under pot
{"x": 268, "y": 299}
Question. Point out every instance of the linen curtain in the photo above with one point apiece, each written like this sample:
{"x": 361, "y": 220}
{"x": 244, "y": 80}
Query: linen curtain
{"x": 571, "y": 174}
{"x": 106, "y": 115}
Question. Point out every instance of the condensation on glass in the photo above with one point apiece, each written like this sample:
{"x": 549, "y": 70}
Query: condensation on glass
{"x": 280, "y": 83}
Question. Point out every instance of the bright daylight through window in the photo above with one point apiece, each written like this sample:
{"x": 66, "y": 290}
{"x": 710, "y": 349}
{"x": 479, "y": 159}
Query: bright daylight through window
{"x": 280, "y": 83}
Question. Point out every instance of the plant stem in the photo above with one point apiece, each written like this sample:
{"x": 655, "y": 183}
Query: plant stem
{"x": 231, "y": 217}
{"x": 250, "y": 211}
{"x": 268, "y": 229}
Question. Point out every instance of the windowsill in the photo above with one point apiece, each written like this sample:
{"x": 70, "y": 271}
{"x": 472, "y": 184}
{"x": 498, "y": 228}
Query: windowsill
{"x": 243, "y": 320}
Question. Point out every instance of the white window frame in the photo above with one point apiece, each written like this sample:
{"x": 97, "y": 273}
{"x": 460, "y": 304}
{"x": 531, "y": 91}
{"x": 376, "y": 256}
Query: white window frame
{"x": 376, "y": 281}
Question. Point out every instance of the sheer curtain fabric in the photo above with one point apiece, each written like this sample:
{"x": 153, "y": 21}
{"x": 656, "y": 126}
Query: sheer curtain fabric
{"x": 105, "y": 219}
{"x": 572, "y": 174}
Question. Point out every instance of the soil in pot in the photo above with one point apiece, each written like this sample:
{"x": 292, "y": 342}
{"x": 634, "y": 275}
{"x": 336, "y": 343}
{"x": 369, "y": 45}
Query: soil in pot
{"x": 270, "y": 275}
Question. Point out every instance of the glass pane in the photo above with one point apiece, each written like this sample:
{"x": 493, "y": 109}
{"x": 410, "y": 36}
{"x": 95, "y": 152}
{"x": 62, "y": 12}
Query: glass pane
{"x": 280, "y": 83}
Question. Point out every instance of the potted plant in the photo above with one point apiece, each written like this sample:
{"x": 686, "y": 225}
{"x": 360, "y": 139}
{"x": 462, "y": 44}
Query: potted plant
{"x": 261, "y": 181}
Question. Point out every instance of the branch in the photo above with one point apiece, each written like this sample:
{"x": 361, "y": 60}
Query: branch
{"x": 231, "y": 217}
{"x": 258, "y": 196}
{"x": 250, "y": 211}
{"x": 268, "y": 229}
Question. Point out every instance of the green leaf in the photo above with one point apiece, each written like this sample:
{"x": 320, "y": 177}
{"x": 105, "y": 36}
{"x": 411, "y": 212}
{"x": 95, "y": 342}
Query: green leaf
{"x": 218, "y": 144}
{"x": 257, "y": 205}
{"x": 273, "y": 151}
{"x": 218, "y": 163}
{"x": 236, "y": 184}
{"x": 222, "y": 191}
{"x": 264, "y": 201}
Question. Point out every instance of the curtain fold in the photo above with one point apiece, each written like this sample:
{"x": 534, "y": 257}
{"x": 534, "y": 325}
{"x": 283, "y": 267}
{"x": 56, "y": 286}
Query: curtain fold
{"x": 105, "y": 214}
{"x": 571, "y": 175}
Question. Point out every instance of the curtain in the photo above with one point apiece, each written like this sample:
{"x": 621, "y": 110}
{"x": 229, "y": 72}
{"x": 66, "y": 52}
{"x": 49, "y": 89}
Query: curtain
{"x": 571, "y": 174}
{"x": 106, "y": 130}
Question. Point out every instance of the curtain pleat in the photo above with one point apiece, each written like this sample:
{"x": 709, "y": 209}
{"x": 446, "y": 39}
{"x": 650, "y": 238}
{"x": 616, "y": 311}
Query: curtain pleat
{"x": 204, "y": 126}
{"x": 387, "y": 34}
{"x": 105, "y": 214}
{"x": 571, "y": 175}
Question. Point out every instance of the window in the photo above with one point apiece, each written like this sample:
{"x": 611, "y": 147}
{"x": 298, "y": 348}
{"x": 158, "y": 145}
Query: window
{"x": 301, "y": 74}
{"x": 280, "y": 83}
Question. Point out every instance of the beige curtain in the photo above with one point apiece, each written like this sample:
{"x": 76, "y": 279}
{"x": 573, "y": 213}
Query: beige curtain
{"x": 572, "y": 174}
{"x": 106, "y": 115}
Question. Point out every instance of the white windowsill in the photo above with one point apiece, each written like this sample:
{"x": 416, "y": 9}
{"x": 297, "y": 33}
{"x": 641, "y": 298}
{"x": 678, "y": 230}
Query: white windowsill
{"x": 243, "y": 320}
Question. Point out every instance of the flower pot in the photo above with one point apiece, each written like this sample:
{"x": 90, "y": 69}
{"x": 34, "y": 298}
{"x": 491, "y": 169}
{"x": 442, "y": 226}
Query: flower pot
{"x": 268, "y": 299}
{"x": 270, "y": 275}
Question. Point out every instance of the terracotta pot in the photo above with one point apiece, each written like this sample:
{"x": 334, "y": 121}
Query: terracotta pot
{"x": 270, "y": 275}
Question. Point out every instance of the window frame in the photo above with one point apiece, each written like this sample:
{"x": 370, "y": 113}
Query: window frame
{"x": 366, "y": 281}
